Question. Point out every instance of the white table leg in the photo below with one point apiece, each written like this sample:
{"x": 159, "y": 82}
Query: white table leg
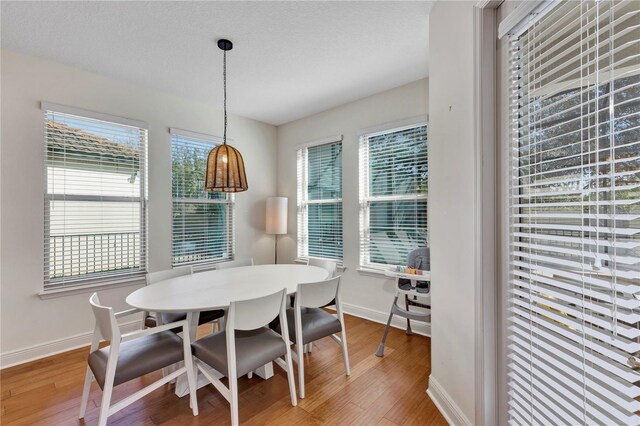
{"x": 182, "y": 387}
{"x": 266, "y": 371}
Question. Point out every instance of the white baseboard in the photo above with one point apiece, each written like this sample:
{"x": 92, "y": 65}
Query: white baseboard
{"x": 382, "y": 317}
{"x": 43, "y": 350}
{"x": 450, "y": 411}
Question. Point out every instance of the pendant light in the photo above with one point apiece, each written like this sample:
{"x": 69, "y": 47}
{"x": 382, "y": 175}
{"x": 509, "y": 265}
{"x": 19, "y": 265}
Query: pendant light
{"x": 225, "y": 167}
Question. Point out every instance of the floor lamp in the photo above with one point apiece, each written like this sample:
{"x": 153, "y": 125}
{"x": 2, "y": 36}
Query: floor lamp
{"x": 276, "y": 218}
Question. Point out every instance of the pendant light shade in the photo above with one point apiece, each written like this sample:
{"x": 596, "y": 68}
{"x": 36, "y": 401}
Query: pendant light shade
{"x": 225, "y": 170}
{"x": 225, "y": 166}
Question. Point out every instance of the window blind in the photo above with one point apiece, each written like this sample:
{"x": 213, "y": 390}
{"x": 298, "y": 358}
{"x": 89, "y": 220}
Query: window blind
{"x": 319, "y": 183}
{"x": 393, "y": 195}
{"x": 572, "y": 319}
{"x": 94, "y": 204}
{"x": 202, "y": 222}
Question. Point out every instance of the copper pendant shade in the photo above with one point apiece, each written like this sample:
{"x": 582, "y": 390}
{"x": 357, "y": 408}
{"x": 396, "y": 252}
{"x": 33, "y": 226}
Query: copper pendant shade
{"x": 225, "y": 166}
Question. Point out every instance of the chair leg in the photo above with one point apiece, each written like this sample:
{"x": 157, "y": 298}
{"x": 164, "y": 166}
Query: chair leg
{"x": 345, "y": 351}
{"x": 193, "y": 386}
{"x": 406, "y": 304}
{"x": 300, "y": 371}
{"x": 250, "y": 375}
{"x": 145, "y": 314}
{"x": 310, "y": 348}
{"x": 233, "y": 388}
{"x": 380, "y": 351}
{"x": 106, "y": 401}
{"x": 85, "y": 393}
{"x": 291, "y": 377}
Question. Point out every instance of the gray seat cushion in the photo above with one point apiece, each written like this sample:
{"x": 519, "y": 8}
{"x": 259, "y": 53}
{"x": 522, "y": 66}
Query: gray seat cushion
{"x": 316, "y": 324}
{"x": 138, "y": 357}
{"x": 169, "y": 317}
{"x": 254, "y": 348}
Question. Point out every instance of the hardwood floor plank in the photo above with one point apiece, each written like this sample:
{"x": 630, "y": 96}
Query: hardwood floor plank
{"x": 389, "y": 391}
{"x": 345, "y": 415}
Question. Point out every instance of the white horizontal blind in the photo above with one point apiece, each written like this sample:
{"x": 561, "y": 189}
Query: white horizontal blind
{"x": 95, "y": 197}
{"x": 319, "y": 183}
{"x": 575, "y": 216}
{"x": 393, "y": 195}
{"x": 202, "y": 222}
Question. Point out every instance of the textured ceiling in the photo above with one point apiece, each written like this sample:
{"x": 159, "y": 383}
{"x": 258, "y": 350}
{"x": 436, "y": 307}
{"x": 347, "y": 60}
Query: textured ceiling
{"x": 290, "y": 59}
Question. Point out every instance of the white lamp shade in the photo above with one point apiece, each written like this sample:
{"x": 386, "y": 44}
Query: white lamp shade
{"x": 277, "y": 215}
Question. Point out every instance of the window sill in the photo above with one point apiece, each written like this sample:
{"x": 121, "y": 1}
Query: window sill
{"x": 89, "y": 288}
{"x": 340, "y": 268}
{"x": 373, "y": 272}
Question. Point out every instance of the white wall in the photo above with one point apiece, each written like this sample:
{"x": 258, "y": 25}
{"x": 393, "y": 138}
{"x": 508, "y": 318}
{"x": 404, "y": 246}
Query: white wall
{"x": 452, "y": 210}
{"x": 364, "y": 295}
{"x": 26, "y": 319}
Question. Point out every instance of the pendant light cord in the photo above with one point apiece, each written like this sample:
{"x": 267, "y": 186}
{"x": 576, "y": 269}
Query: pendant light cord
{"x": 224, "y": 82}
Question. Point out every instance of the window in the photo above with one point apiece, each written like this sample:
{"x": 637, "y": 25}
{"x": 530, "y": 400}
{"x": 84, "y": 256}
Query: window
{"x": 95, "y": 218}
{"x": 574, "y": 233}
{"x": 320, "y": 200}
{"x": 202, "y": 222}
{"x": 393, "y": 195}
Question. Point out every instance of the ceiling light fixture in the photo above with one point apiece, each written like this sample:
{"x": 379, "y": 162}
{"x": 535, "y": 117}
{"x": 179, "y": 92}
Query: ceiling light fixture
{"x": 225, "y": 166}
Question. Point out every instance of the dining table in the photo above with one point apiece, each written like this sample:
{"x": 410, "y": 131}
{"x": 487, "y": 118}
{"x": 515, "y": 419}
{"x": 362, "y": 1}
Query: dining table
{"x": 216, "y": 289}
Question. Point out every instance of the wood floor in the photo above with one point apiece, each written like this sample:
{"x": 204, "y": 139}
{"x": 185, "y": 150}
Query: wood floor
{"x": 380, "y": 391}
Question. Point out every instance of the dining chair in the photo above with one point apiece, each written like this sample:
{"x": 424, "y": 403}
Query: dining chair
{"x": 235, "y": 264}
{"x": 132, "y": 355}
{"x": 245, "y": 345}
{"x": 151, "y": 320}
{"x": 307, "y": 322}
{"x": 329, "y": 265}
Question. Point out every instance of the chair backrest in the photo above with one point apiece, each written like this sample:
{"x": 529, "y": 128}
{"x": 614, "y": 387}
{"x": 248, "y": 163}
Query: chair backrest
{"x": 317, "y": 294}
{"x": 255, "y": 313}
{"x": 420, "y": 258}
{"x": 235, "y": 264}
{"x": 329, "y": 265}
{"x": 105, "y": 319}
{"x": 154, "y": 277}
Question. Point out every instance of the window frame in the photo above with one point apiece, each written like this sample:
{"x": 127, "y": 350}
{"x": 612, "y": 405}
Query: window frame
{"x": 229, "y": 200}
{"x": 302, "y": 201}
{"x": 365, "y": 200}
{"x": 51, "y": 288}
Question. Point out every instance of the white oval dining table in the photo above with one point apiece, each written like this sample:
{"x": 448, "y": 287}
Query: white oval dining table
{"x": 216, "y": 289}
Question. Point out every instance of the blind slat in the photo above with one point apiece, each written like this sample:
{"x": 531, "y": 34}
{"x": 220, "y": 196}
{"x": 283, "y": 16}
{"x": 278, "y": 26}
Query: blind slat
{"x": 393, "y": 195}
{"x": 319, "y": 202}
{"x": 95, "y": 200}
{"x": 202, "y": 222}
{"x": 574, "y": 212}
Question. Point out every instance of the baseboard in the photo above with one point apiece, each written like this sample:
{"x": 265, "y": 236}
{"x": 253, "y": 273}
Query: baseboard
{"x": 43, "y": 350}
{"x": 450, "y": 411}
{"x": 382, "y": 317}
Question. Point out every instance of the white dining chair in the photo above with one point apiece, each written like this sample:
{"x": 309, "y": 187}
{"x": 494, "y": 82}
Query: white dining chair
{"x": 133, "y": 355}
{"x": 235, "y": 264}
{"x": 329, "y": 265}
{"x": 307, "y": 322}
{"x": 245, "y": 345}
{"x": 151, "y": 320}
